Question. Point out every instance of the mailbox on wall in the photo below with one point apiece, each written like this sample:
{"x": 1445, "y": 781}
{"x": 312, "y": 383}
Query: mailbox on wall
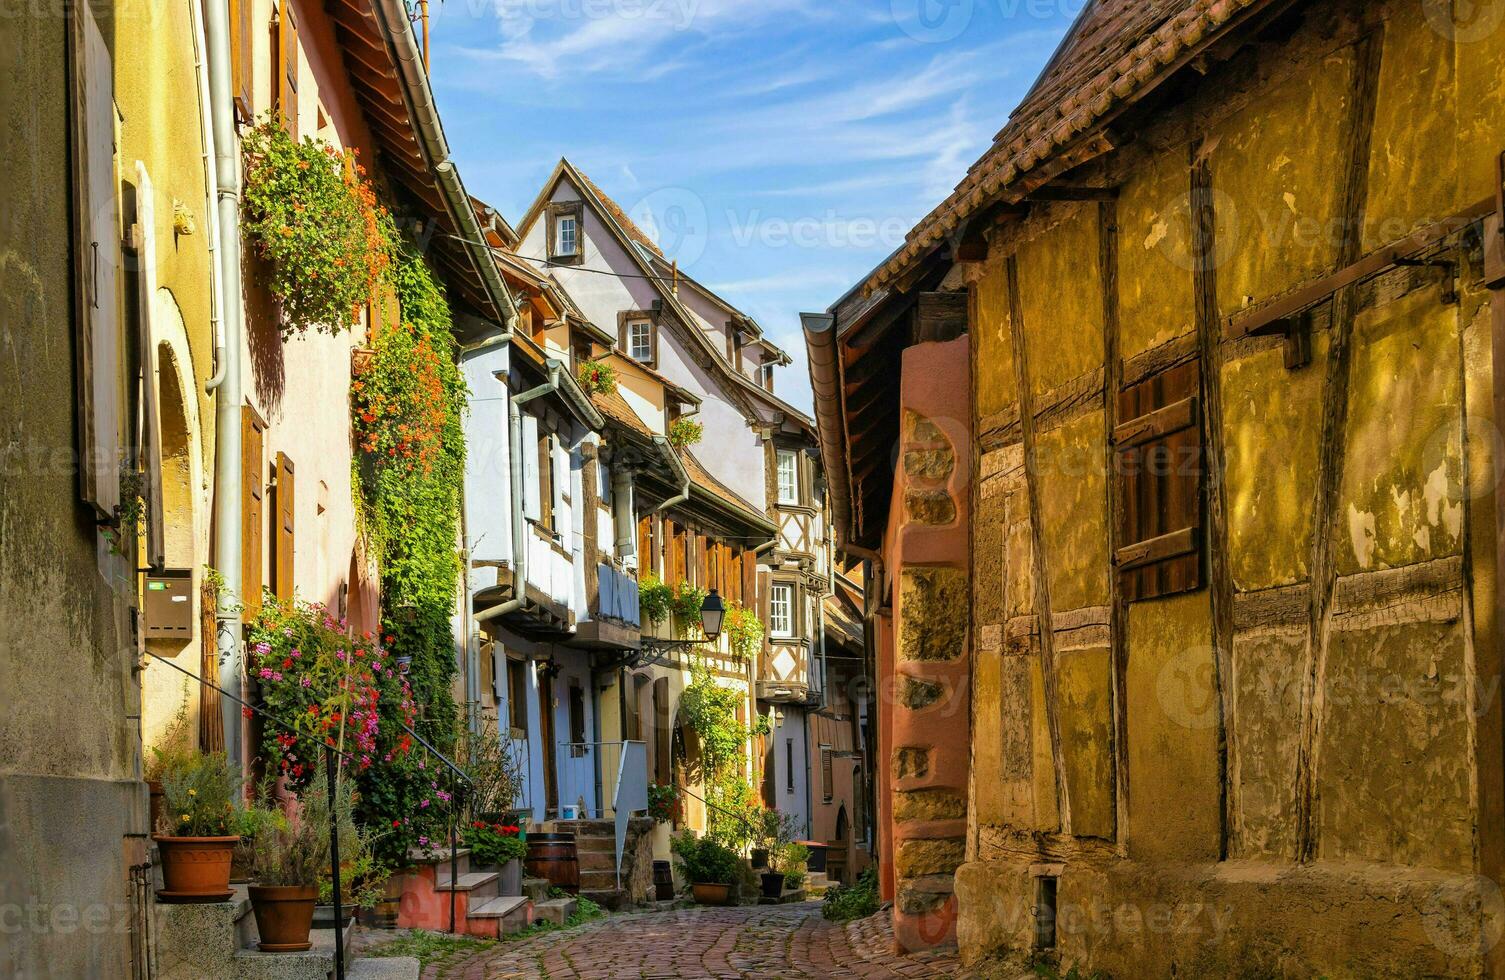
{"x": 169, "y": 605}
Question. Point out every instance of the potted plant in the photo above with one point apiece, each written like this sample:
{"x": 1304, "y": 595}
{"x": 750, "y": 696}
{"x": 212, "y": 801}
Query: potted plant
{"x": 710, "y": 867}
{"x": 288, "y": 855}
{"x": 663, "y": 803}
{"x": 199, "y": 827}
{"x": 775, "y": 834}
{"x": 497, "y": 847}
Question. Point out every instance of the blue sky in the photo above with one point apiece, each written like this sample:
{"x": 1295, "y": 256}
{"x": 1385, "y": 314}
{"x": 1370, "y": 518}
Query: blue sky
{"x": 779, "y": 148}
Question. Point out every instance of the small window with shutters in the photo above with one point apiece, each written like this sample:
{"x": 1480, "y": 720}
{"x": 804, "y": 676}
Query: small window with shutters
{"x": 517, "y": 697}
{"x": 662, "y": 735}
{"x": 827, "y": 777}
{"x": 1158, "y": 448}
{"x": 284, "y": 497}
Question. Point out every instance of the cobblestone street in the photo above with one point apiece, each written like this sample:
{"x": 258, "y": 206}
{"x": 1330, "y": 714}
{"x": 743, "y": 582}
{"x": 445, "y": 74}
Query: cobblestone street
{"x": 788, "y": 942}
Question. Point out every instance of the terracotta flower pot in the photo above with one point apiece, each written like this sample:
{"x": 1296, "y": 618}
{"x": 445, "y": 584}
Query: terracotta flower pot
{"x": 195, "y": 869}
{"x": 712, "y": 894}
{"x": 284, "y": 915}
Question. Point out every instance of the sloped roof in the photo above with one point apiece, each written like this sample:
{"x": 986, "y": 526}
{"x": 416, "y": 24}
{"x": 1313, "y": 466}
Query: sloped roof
{"x": 614, "y": 407}
{"x": 1115, "y": 53}
{"x": 620, "y": 217}
{"x": 702, "y": 478}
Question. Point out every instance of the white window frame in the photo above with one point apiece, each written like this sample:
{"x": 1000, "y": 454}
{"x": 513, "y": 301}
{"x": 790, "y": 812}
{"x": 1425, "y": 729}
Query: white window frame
{"x": 645, "y": 355}
{"x": 785, "y": 628}
{"x": 567, "y": 244}
{"x": 787, "y": 468}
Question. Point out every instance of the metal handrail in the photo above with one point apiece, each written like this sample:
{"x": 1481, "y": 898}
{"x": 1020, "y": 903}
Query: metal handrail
{"x": 731, "y": 813}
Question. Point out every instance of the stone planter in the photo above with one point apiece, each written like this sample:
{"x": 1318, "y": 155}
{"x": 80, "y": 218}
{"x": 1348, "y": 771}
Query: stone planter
{"x": 509, "y": 876}
{"x": 712, "y": 894}
{"x": 324, "y": 916}
{"x": 195, "y": 869}
{"x": 284, "y": 916}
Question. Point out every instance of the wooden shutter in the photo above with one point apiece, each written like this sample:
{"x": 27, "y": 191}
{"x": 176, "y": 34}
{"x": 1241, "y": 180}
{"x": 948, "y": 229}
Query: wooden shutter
{"x": 252, "y": 509}
{"x": 702, "y": 562}
{"x": 241, "y": 56}
{"x": 662, "y": 735}
{"x": 287, "y": 68}
{"x": 151, "y": 402}
{"x": 827, "y": 782}
{"x": 1158, "y": 448}
{"x": 749, "y": 579}
{"x": 645, "y": 546}
{"x": 546, "y": 480}
{"x": 283, "y": 498}
{"x": 96, "y": 243}
{"x": 674, "y": 566}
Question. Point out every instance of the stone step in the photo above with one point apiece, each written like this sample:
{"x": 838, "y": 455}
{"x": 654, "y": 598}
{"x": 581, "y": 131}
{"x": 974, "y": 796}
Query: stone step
{"x": 597, "y": 860}
{"x": 584, "y": 845}
{"x": 440, "y": 859}
{"x": 555, "y": 910}
{"x": 537, "y": 888}
{"x": 477, "y": 882}
{"x": 592, "y": 880}
{"x": 384, "y": 968}
{"x": 588, "y": 828}
{"x": 510, "y": 914}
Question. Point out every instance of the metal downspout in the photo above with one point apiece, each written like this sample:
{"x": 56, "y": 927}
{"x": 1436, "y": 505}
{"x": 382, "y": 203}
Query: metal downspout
{"x": 227, "y": 408}
{"x": 672, "y": 458}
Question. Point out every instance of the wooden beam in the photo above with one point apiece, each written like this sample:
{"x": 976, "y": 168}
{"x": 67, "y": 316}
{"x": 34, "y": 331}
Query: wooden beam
{"x": 1158, "y": 424}
{"x": 1140, "y": 554}
{"x": 1118, "y": 616}
{"x": 1068, "y": 192}
{"x": 940, "y": 317}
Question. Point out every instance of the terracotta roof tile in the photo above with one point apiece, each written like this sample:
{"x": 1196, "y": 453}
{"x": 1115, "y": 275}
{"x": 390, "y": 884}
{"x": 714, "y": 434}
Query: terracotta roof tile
{"x": 615, "y": 210}
{"x": 615, "y": 407}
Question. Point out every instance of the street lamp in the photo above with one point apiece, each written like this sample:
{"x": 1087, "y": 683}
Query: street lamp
{"x": 712, "y": 611}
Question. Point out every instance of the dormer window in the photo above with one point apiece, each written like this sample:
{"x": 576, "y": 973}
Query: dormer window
{"x": 565, "y": 226}
{"x": 637, "y": 336}
{"x": 765, "y": 376}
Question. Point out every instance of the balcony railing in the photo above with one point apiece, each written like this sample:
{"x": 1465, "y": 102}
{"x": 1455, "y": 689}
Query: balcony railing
{"x": 618, "y": 596}
{"x": 612, "y": 774}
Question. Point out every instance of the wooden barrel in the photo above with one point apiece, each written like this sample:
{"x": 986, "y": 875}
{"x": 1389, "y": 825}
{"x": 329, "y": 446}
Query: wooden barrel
{"x": 663, "y": 881}
{"x": 552, "y": 856}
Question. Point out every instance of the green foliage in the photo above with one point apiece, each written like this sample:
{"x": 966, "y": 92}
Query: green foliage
{"x": 858, "y": 900}
{"x": 430, "y": 947}
{"x": 201, "y": 797}
{"x": 130, "y": 513}
{"x": 710, "y": 711}
{"x": 655, "y": 599}
{"x": 744, "y": 631}
{"x": 663, "y": 802}
{"x": 175, "y": 748}
{"x": 685, "y": 432}
{"x": 408, "y": 411}
{"x": 685, "y": 605}
{"x": 704, "y": 860}
{"x": 598, "y": 378}
{"x": 585, "y": 911}
{"x": 312, "y": 214}
{"x": 495, "y": 773}
{"x": 494, "y": 843}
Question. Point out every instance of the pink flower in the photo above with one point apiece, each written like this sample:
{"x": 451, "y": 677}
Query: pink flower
{"x": 308, "y": 681}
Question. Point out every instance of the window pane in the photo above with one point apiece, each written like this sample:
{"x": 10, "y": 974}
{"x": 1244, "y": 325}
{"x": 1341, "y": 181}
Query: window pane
{"x": 789, "y": 478}
{"x": 567, "y": 235}
{"x": 780, "y": 610}
{"x": 640, "y": 340}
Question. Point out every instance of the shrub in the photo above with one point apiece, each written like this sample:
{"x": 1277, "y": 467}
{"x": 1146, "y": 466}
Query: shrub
{"x": 663, "y": 802}
{"x": 704, "y": 861}
{"x": 744, "y": 632}
{"x": 855, "y": 901}
{"x": 685, "y": 604}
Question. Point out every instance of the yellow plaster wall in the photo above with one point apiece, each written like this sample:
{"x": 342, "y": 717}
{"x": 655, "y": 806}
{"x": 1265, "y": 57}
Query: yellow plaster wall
{"x": 1413, "y": 164}
{"x": 1271, "y": 426}
{"x": 1155, "y": 265}
{"x": 1074, "y": 511}
{"x": 1267, "y": 680}
{"x": 1086, "y": 720}
{"x": 993, "y": 347}
{"x": 1404, "y": 437}
{"x": 1173, "y": 737}
{"x": 1479, "y": 54}
{"x": 1277, "y": 174}
{"x": 1061, "y": 300}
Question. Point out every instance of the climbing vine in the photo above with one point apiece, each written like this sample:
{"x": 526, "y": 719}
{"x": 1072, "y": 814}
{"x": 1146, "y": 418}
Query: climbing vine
{"x": 744, "y": 631}
{"x": 407, "y": 416}
{"x": 710, "y": 711}
{"x": 685, "y": 432}
{"x": 314, "y": 216}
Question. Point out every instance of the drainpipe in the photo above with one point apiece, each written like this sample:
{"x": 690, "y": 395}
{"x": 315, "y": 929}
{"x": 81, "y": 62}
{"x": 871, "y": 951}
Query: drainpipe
{"x": 413, "y": 80}
{"x": 672, "y": 458}
{"x": 211, "y": 213}
{"x": 227, "y": 475}
{"x": 623, "y": 505}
